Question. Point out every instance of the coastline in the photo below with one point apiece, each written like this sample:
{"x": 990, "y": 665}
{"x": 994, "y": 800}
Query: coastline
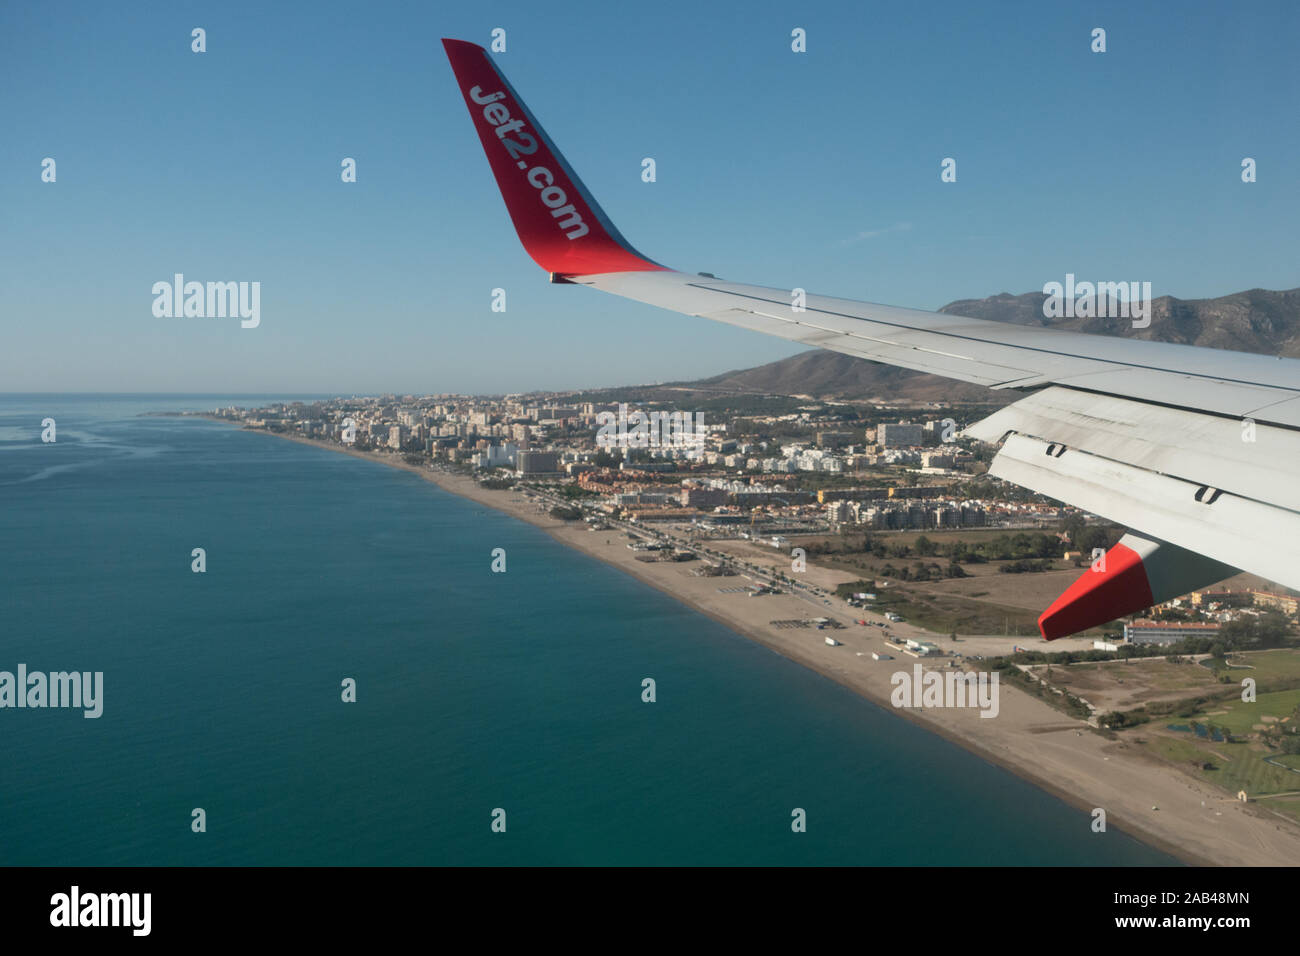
{"x": 1194, "y": 822}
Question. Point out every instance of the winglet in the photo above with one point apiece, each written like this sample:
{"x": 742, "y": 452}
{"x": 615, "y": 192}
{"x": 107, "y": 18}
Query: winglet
{"x": 1107, "y": 590}
{"x": 558, "y": 221}
{"x": 1137, "y": 573}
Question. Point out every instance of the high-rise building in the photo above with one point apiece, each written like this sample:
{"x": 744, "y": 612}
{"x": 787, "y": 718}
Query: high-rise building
{"x": 898, "y": 434}
{"x": 530, "y": 462}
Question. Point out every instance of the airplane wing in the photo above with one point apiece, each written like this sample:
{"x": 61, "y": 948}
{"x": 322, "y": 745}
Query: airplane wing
{"x": 1197, "y": 450}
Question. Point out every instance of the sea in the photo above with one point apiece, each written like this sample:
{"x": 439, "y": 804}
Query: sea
{"x": 498, "y": 718}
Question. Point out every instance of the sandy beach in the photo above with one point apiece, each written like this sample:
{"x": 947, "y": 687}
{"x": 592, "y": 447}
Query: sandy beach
{"x": 1155, "y": 802}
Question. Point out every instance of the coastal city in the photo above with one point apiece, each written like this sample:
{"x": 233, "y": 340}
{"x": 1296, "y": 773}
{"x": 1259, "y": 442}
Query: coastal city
{"x": 833, "y": 479}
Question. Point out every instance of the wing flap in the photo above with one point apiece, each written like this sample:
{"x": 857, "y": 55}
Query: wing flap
{"x": 1248, "y": 459}
{"x": 1246, "y": 534}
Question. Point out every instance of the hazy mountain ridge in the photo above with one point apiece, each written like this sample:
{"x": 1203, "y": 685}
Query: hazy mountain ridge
{"x": 1257, "y": 320}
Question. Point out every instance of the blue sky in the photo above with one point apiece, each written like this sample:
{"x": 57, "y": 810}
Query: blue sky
{"x": 818, "y": 170}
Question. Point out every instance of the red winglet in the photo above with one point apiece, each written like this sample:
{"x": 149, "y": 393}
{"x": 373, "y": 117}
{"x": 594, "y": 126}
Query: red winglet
{"x": 1137, "y": 573}
{"x": 1100, "y": 595}
{"x": 558, "y": 221}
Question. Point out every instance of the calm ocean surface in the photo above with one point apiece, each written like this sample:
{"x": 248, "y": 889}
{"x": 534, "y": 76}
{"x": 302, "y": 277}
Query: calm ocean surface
{"x": 475, "y": 690}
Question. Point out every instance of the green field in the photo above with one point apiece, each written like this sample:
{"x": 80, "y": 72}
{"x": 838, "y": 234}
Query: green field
{"x": 1234, "y": 767}
{"x": 945, "y": 614}
{"x": 1282, "y": 664}
{"x": 1241, "y": 717}
{"x": 1247, "y": 763}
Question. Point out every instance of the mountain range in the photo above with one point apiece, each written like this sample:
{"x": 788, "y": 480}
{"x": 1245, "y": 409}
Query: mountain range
{"x": 1257, "y": 320}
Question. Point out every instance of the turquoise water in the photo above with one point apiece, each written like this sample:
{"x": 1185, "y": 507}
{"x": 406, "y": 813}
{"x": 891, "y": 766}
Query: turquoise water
{"x": 475, "y": 690}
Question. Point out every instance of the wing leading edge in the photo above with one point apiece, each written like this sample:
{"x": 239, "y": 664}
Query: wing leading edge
{"x": 1196, "y": 447}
